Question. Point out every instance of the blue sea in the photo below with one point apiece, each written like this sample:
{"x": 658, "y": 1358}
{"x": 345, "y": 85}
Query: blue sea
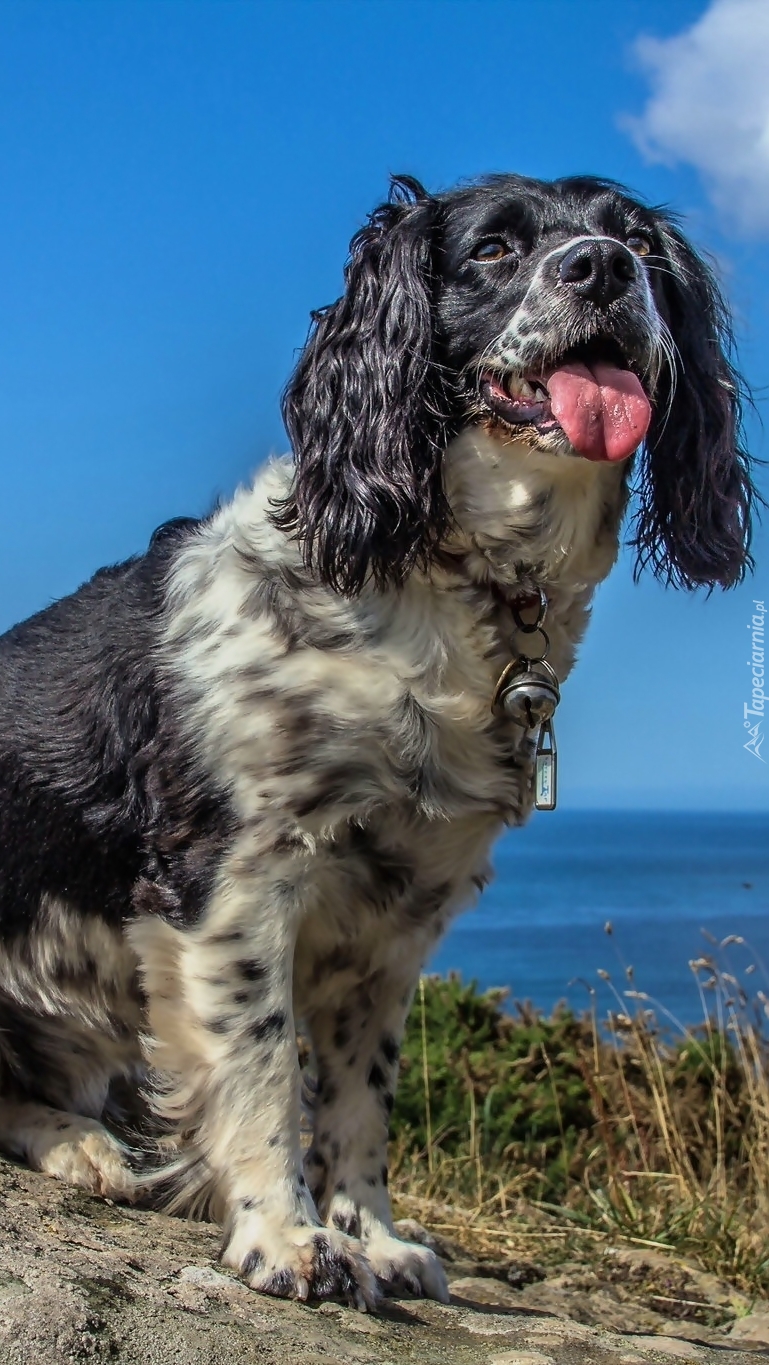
{"x": 659, "y": 879}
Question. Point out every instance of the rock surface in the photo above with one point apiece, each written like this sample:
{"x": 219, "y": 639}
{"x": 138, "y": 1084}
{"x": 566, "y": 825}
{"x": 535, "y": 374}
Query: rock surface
{"x": 753, "y": 1329}
{"x": 83, "y": 1280}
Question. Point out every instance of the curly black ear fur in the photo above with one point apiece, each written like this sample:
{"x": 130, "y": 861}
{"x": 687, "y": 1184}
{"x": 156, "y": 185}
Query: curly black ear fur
{"x": 365, "y": 408}
{"x": 696, "y": 491}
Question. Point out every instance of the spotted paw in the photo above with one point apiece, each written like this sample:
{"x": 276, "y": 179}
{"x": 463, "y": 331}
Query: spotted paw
{"x": 304, "y": 1263}
{"x": 405, "y": 1269}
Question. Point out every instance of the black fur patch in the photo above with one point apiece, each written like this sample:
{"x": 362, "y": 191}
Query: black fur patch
{"x": 252, "y": 970}
{"x": 349, "y": 1223}
{"x": 252, "y": 1263}
{"x": 326, "y": 1091}
{"x": 74, "y": 973}
{"x": 389, "y": 1049}
{"x": 376, "y": 1077}
{"x": 270, "y": 1027}
{"x": 281, "y": 1284}
{"x": 332, "y": 1273}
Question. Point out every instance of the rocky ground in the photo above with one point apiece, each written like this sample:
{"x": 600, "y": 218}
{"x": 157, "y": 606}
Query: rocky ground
{"x": 83, "y": 1280}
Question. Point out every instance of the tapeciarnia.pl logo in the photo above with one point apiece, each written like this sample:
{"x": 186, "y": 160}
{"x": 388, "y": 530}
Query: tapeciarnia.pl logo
{"x": 753, "y": 711}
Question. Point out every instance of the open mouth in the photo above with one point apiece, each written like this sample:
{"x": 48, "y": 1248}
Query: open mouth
{"x": 591, "y": 396}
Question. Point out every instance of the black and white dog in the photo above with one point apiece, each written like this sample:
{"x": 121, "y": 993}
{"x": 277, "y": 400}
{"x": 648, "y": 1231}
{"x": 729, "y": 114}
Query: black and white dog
{"x": 248, "y": 778}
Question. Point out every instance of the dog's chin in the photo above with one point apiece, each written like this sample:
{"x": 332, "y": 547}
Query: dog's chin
{"x": 529, "y": 424}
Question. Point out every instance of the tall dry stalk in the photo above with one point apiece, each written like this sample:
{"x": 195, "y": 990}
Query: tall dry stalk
{"x": 426, "y": 1078}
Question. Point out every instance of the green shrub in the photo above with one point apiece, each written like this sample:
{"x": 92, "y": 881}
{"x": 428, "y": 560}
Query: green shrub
{"x": 511, "y": 1086}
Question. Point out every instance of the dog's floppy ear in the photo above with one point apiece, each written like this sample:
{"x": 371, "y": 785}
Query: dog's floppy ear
{"x": 365, "y": 409}
{"x": 693, "y": 526}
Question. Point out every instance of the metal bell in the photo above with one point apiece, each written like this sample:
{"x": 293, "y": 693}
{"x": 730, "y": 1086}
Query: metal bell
{"x": 527, "y": 693}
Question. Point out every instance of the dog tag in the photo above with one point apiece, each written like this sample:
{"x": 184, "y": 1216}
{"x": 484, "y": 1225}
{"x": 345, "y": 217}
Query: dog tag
{"x": 546, "y": 769}
{"x": 527, "y": 692}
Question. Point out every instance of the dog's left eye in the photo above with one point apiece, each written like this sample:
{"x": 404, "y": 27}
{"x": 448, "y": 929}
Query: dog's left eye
{"x": 491, "y": 250}
{"x": 639, "y": 244}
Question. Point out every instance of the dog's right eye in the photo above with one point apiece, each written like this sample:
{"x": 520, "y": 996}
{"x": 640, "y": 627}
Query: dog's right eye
{"x": 491, "y": 250}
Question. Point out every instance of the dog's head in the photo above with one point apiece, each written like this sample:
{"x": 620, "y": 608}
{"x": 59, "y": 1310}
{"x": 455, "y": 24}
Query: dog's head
{"x": 565, "y": 316}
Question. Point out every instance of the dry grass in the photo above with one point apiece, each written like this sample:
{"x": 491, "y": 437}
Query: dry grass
{"x": 545, "y": 1137}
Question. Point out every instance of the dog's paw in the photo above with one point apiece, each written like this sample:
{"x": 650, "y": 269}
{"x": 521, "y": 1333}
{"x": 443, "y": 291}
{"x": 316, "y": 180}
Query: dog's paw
{"x": 304, "y": 1263}
{"x": 81, "y": 1152}
{"x": 405, "y": 1269}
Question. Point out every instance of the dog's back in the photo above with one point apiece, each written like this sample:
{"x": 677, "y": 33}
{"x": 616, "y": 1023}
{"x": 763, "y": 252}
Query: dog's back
{"x": 77, "y": 705}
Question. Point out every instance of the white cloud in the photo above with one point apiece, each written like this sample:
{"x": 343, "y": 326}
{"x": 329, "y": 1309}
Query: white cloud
{"x": 710, "y": 106}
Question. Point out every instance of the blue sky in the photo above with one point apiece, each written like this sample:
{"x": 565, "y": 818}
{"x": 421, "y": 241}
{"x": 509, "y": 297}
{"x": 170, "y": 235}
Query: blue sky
{"x": 180, "y": 182}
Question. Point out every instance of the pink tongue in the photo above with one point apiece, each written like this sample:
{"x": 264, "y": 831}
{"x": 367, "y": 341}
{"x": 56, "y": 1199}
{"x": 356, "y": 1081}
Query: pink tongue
{"x": 604, "y": 411}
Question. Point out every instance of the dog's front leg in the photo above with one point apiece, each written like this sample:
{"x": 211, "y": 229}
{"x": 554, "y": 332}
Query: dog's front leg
{"x": 223, "y": 1044}
{"x": 357, "y": 1045}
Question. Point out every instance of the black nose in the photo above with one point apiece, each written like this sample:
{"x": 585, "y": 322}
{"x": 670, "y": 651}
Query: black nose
{"x": 598, "y": 270}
